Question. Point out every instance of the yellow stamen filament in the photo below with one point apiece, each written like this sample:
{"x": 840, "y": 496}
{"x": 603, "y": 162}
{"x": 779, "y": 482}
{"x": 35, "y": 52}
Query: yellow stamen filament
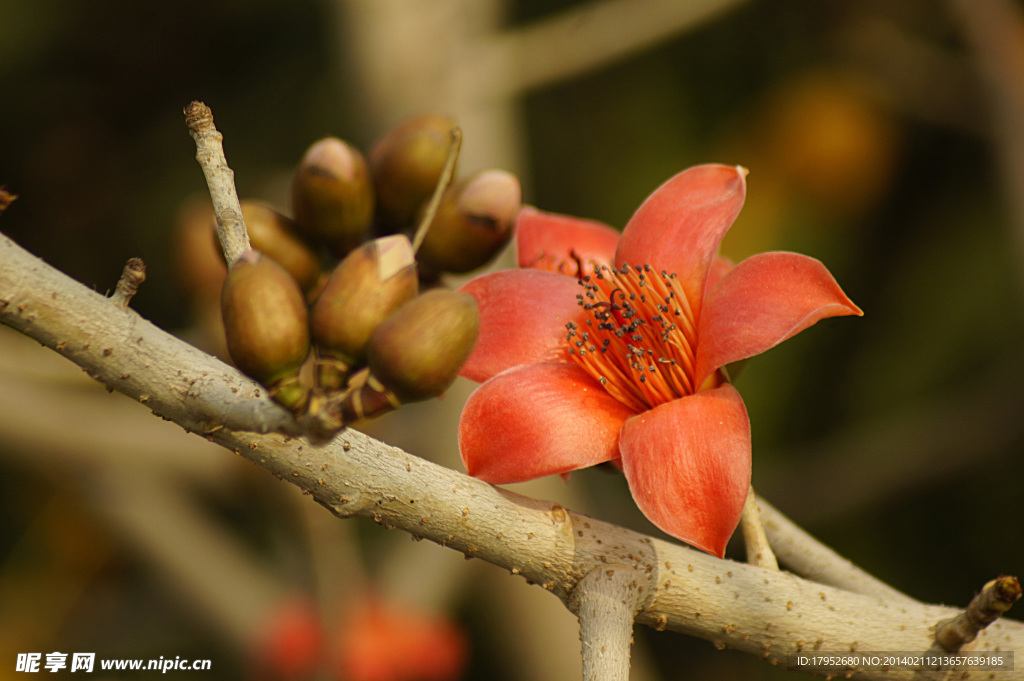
{"x": 637, "y": 337}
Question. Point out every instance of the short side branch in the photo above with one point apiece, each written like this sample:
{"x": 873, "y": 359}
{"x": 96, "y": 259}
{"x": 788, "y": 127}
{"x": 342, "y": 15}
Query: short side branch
{"x": 221, "y": 180}
{"x": 132, "y": 276}
{"x": 808, "y": 557}
{"x": 995, "y": 598}
{"x": 606, "y": 600}
{"x": 758, "y": 550}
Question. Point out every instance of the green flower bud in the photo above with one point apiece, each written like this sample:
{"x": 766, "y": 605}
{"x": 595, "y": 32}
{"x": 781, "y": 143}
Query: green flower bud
{"x": 417, "y": 351}
{"x": 369, "y": 284}
{"x": 276, "y": 235}
{"x": 473, "y": 222}
{"x": 406, "y": 165}
{"x": 332, "y": 195}
{"x": 266, "y": 326}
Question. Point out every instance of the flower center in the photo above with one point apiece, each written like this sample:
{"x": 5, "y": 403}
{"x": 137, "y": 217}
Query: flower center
{"x": 637, "y": 336}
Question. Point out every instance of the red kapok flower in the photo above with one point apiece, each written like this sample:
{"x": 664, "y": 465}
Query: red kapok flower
{"x": 610, "y": 349}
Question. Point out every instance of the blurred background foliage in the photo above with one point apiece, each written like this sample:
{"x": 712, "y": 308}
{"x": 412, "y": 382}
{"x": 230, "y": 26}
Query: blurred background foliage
{"x": 879, "y": 137}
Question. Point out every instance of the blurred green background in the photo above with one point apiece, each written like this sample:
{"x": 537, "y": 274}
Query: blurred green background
{"x": 886, "y": 139}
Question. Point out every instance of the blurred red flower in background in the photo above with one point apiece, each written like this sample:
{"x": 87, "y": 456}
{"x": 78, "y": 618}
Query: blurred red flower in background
{"x": 385, "y": 642}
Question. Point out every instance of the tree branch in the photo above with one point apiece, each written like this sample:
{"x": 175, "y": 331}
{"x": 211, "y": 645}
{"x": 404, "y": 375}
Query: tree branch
{"x": 767, "y": 613}
{"x": 578, "y": 40}
{"x": 808, "y": 557}
{"x": 995, "y": 599}
{"x": 220, "y": 179}
{"x": 132, "y": 276}
{"x": 606, "y": 601}
{"x": 759, "y": 551}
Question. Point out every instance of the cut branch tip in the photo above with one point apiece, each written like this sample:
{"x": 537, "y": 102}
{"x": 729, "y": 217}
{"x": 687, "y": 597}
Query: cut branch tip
{"x": 132, "y": 276}
{"x": 220, "y": 179}
{"x": 990, "y": 604}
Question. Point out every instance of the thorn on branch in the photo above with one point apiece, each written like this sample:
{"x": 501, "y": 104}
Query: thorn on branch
{"x": 132, "y": 276}
{"x": 995, "y": 598}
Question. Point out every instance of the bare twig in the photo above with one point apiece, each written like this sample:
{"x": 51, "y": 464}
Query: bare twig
{"x": 581, "y": 39}
{"x": 763, "y": 612}
{"x": 234, "y": 238}
{"x": 759, "y": 552}
{"x": 807, "y": 556}
{"x": 606, "y": 601}
{"x": 132, "y": 276}
{"x": 995, "y": 599}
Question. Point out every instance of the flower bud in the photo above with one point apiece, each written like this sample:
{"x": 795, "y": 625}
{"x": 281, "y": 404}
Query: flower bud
{"x": 417, "y": 351}
{"x": 276, "y": 235}
{"x": 369, "y": 284}
{"x": 406, "y": 165}
{"x": 265, "y": 322}
{"x": 473, "y": 222}
{"x": 332, "y": 195}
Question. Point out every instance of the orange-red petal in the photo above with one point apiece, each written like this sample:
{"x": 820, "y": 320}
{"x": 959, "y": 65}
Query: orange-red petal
{"x": 538, "y": 420}
{"x": 679, "y": 227}
{"x": 761, "y": 302}
{"x": 688, "y": 466}
{"x": 523, "y": 314}
{"x": 561, "y": 243}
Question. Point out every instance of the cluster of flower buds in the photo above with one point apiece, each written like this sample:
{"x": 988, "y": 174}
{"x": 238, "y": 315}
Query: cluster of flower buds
{"x": 326, "y": 310}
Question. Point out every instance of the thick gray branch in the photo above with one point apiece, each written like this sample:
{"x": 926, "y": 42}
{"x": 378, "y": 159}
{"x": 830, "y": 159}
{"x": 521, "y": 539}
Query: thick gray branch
{"x": 767, "y": 613}
{"x": 127, "y": 353}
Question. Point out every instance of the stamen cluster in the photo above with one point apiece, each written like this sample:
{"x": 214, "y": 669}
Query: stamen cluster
{"x": 637, "y": 337}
